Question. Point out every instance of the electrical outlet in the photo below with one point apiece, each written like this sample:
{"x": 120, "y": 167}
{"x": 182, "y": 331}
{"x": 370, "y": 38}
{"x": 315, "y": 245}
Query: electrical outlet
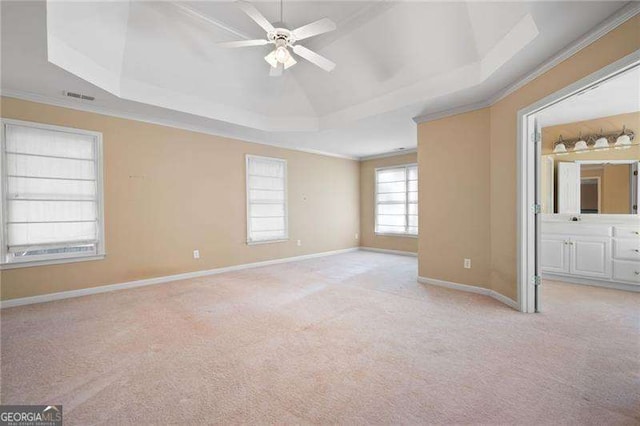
{"x": 299, "y": 243}
{"x": 467, "y": 263}
{"x": 196, "y": 254}
{"x": 356, "y": 235}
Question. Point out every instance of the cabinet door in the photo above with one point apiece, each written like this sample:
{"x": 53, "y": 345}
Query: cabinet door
{"x": 591, "y": 257}
{"x": 554, "y": 255}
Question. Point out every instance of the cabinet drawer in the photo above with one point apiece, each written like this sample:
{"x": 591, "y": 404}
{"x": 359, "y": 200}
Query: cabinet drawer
{"x": 628, "y": 249}
{"x": 626, "y": 271}
{"x": 626, "y": 231}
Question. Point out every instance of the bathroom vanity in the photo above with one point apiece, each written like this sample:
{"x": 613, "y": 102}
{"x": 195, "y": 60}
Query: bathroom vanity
{"x": 596, "y": 250}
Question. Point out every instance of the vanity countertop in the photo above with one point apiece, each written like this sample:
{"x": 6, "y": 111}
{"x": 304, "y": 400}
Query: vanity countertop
{"x": 598, "y": 220}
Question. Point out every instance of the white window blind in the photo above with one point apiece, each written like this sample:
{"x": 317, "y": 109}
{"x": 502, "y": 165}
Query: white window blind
{"x": 51, "y": 190}
{"x": 266, "y": 199}
{"x": 397, "y": 200}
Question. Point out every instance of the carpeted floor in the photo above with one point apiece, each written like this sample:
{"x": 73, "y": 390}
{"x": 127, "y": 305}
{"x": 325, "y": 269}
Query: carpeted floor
{"x": 350, "y": 338}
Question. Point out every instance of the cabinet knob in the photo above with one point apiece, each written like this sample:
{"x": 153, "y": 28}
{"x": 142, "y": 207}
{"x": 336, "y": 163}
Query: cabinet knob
{"x": 637, "y": 272}
{"x": 636, "y": 250}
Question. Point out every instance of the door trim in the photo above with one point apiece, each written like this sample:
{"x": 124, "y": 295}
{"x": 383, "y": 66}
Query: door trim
{"x": 527, "y": 177}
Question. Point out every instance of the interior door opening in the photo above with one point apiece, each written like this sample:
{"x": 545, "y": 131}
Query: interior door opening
{"x": 579, "y": 225}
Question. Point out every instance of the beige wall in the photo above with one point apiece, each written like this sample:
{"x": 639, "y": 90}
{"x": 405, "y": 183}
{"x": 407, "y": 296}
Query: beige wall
{"x": 367, "y": 205}
{"x": 169, "y": 191}
{"x": 616, "y": 197}
{"x": 453, "y": 157}
{"x": 615, "y": 45}
{"x": 497, "y": 197}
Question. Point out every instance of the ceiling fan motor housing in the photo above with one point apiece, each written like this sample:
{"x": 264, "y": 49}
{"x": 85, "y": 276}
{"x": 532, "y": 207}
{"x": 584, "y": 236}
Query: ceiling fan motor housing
{"x": 281, "y": 35}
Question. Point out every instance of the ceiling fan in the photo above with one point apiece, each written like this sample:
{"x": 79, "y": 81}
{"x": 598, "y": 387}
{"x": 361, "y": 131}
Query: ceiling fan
{"x": 283, "y": 40}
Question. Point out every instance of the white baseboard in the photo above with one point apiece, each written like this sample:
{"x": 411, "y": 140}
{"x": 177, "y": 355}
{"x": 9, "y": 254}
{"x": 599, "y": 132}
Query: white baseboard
{"x": 591, "y": 282}
{"x": 400, "y": 252}
{"x": 472, "y": 289}
{"x": 504, "y": 299}
{"x": 159, "y": 280}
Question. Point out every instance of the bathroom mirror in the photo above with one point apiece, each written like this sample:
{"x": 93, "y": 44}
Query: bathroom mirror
{"x": 584, "y": 143}
{"x": 596, "y": 187}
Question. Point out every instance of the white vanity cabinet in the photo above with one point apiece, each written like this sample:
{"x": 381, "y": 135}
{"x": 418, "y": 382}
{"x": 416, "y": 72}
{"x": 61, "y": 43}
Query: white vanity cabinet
{"x": 626, "y": 254}
{"x": 590, "y": 257}
{"x": 555, "y": 254}
{"x": 576, "y": 255}
{"x": 598, "y": 253}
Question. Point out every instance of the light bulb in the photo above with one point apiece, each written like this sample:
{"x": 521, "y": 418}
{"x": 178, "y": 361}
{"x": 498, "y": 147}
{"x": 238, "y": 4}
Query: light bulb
{"x": 601, "y": 143}
{"x": 282, "y": 54}
{"x": 560, "y": 148}
{"x": 580, "y": 146}
{"x": 623, "y": 141}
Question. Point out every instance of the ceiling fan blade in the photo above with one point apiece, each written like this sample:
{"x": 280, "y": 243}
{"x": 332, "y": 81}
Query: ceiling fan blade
{"x": 242, "y": 43}
{"x": 276, "y": 71}
{"x": 320, "y": 26}
{"x": 314, "y": 58}
{"x": 255, "y": 14}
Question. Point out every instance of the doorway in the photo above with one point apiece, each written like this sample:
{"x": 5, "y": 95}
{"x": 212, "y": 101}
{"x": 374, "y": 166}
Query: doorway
{"x": 598, "y": 259}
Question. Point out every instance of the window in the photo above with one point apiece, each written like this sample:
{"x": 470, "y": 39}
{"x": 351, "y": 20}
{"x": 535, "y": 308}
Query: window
{"x": 51, "y": 194}
{"x": 266, "y": 199}
{"x": 397, "y": 200}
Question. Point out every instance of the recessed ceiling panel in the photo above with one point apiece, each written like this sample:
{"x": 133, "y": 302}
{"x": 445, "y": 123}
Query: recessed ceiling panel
{"x": 166, "y": 54}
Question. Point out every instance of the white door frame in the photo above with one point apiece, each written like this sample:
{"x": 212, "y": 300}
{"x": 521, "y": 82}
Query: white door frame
{"x": 598, "y": 189}
{"x": 527, "y": 174}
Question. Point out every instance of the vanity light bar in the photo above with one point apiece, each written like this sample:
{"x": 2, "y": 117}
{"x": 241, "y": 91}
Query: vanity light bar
{"x": 623, "y": 139}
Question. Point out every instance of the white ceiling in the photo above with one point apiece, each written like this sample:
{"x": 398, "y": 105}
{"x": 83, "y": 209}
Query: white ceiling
{"x": 619, "y": 95}
{"x": 395, "y": 60}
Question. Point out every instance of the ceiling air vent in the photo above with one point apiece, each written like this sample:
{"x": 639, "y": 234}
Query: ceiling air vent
{"x": 79, "y": 96}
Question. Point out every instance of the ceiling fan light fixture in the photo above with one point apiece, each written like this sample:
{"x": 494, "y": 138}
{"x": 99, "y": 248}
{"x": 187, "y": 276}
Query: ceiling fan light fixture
{"x": 274, "y": 62}
{"x": 271, "y": 59}
{"x": 282, "y": 54}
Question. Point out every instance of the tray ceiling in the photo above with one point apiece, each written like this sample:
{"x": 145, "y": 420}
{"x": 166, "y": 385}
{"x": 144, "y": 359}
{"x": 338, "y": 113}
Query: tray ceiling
{"x": 394, "y": 60}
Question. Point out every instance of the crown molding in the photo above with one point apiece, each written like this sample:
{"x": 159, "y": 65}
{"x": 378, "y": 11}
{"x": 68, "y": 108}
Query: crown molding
{"x": 450, "y": 112}
{"x": 612, "y": 22}
{"x": 389, "y": 154}
{"x": 86, "y": 107}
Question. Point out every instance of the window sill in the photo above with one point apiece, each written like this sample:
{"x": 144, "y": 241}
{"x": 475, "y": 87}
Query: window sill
{"x": 256, "y": 243}
{"x": 27, "y": 264}
{"x": 387, "y": 234}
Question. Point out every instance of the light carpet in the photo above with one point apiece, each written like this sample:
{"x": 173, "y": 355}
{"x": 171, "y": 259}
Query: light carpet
{"x": 350, "y": 338}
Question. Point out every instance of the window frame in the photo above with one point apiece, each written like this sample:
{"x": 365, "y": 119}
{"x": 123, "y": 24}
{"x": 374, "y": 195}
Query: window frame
{"x": 58, "y": 258}
{"x": 375, "y": 200}
{"x": 248, "y": 158}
